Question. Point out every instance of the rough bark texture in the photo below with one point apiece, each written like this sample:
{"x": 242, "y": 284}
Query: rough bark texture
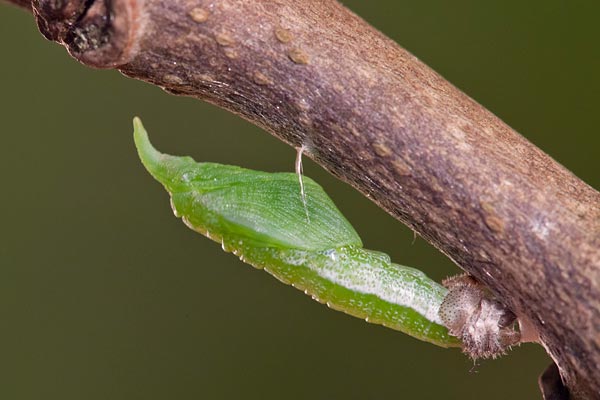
{"x": 315, "y": 75}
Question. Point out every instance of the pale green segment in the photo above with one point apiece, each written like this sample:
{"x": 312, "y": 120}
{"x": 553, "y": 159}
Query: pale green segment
{"x": 261, "y": 218}
{"x": 361, "y": 283}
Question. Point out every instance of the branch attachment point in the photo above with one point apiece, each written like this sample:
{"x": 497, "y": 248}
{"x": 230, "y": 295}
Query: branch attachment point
{"x": 486, "y": 327}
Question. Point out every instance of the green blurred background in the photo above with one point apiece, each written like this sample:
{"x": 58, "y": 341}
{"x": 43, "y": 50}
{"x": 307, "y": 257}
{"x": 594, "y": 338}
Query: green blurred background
{"x": 105, "y": 295}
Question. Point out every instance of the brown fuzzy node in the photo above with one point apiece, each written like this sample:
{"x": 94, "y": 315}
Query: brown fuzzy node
{"x": 486, "y": 327}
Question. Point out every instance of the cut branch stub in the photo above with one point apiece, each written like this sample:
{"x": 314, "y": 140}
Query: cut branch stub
{"x": 315, "y": 75}
{"x": 98, "y": 33}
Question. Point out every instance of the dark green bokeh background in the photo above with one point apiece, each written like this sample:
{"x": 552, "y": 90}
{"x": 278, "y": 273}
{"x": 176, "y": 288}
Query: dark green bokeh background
{"x": 105, "y": 295}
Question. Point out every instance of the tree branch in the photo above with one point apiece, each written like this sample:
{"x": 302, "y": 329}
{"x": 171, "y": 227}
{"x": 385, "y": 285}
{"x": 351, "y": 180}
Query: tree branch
{"x": 315, "y": 75}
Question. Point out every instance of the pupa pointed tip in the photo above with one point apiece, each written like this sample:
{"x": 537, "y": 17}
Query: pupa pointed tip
{"x": 150, "y": 157}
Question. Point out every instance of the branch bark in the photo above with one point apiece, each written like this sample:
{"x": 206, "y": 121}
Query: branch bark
{"x": 315, "y": 75}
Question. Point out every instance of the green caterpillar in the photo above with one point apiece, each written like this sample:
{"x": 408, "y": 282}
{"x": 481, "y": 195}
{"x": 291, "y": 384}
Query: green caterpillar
{"x": 262, "y": 218}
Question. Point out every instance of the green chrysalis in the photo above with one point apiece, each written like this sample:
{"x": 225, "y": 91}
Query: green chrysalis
{"x": 261, "y": 218}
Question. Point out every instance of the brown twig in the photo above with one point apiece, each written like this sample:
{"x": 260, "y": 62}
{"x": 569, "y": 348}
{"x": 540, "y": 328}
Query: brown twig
{"x": 315, "y": 75}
